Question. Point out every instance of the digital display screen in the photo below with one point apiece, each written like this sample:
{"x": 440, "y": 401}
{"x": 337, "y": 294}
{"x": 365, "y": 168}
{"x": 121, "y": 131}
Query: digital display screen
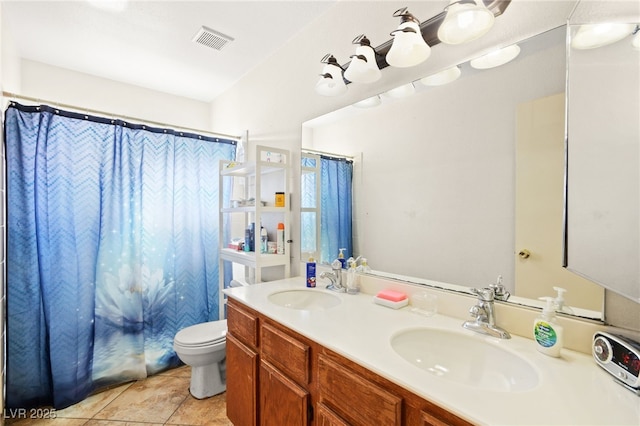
{"x": 626, "y": 359}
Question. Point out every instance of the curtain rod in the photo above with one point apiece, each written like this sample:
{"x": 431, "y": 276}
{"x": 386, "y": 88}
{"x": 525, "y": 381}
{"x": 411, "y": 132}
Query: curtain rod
{"x": 316, "y": 152}
{"x": 122, "y": 117}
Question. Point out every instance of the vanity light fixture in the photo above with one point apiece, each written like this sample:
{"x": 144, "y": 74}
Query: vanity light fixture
{"x": 363, "y": 67}
{"x": 591, "y": 36}
{"x": 466, "y": 20}
{"x": 408, "y": 47}
{"x": 496, "y": 58}
{"x": 442, "y": 77}
{"x": 331, "y": 82}
{"x": 371, "y": 102}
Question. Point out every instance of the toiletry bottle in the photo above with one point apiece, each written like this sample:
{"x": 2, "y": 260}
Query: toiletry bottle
{"x": 247, "y": 239}
{"x": 341, "y": 258}
{"x": 352, "y": 279}
{"x": 311, "y": 272}
{"x": 263, "y": 240}
{"x": 364, "y": 266}
{"x": 280, "y": 239}
{"x": 560, "y": 302}
{"x": 547, "y": 333}
{"x": 252, "y": 233}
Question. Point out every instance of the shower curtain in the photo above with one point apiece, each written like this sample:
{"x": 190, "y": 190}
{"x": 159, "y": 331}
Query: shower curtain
{"x": 336, "y": 175}
{"x": 112, "y": 248}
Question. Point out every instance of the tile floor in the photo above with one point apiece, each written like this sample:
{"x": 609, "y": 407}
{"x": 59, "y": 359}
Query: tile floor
{"x": 163, "y": 399}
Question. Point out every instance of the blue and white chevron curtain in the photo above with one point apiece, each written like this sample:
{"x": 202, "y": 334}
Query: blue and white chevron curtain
{"x": 336, "y": 176}
{"x": 112, "y": 248}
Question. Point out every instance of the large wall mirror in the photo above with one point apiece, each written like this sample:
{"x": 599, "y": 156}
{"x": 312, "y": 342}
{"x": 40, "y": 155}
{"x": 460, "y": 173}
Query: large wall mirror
{"x": 462, "y": 183}
{"x": 603, "y": 214}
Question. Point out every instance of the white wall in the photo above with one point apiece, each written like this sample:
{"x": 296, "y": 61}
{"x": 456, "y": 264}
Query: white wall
{"x": 64, "y": 86}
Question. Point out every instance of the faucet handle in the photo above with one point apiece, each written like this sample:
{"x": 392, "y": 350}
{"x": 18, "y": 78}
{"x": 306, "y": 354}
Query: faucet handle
{"x": 486, "y": 294}
{"x": 499, "y": 290}
{"x": 476, "y": 311}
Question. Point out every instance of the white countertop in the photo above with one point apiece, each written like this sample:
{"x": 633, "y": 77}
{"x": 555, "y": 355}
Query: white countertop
{"x": 572, "y": 390}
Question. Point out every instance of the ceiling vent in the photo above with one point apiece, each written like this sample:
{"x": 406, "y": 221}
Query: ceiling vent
{"x": 210, "y": 38}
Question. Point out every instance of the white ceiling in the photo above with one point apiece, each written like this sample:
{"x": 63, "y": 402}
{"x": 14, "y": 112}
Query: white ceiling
{"x": 149, "y": 43}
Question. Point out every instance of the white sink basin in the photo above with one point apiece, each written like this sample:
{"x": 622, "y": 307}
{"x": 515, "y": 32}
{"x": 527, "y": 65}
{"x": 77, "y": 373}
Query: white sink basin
{"x": 307, "y": 300}
{"x": 468, "y": 360}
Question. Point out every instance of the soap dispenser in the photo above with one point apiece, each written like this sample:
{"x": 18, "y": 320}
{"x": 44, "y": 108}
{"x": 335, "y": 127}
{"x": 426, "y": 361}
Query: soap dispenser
{"x": 547, "y": 333}
{"x": 352, "y": 279}
{"x": 341, "y": 258}
{"x": 364, "y": 266}
{"x": 559, "y": 301}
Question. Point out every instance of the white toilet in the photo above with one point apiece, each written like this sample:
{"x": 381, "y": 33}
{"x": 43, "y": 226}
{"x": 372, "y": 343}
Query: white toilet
{"x": 202, "y": 346}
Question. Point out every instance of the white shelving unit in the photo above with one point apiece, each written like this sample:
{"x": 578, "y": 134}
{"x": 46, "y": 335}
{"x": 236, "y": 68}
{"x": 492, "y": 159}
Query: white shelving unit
{"x": 258, "y": 180}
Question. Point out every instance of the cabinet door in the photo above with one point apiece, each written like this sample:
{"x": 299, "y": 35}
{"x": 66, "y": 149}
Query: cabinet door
{"x": 430, "y": 420}
{"x": 242, "y": 380}
{"x": 326, "y": 417}
{"x": 282, "y": 401}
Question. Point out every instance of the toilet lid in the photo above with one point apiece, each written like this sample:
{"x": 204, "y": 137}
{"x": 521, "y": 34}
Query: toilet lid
{"x": 202, "y": 334}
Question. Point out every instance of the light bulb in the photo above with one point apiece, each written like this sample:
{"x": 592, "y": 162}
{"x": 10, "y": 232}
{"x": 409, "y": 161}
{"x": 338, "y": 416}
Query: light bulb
{"x": 363, "y": 67}
{"x": 442, "y": 77}
{"x": 465, "y": 22}
{"x": 408, "y": 48}
{"x": 331, "y": 82}
{"x": 496, "y": 58}
{"x": 590, "y": 36}
{"x": 403, "y": 91}
{"x": 371, "y": 102}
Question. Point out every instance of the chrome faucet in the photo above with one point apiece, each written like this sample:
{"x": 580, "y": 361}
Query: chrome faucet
{"x": 484, "y": 313}
{"x": 335, "y": 276}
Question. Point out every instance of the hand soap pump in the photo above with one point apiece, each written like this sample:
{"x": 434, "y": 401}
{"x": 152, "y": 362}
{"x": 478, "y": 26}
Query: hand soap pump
{"x": 547, "y": 333}
{"x": 341, "y": 258}
{"x": 559, "y": 301}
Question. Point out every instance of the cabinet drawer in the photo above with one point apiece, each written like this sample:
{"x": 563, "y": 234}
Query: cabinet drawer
{"x": 242, "y": 325}
{"x": 286, "y": 353}
{"x": 354, "y": 398}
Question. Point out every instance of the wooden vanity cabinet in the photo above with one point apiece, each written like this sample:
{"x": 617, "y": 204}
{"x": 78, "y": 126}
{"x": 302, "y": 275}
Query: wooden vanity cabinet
{"x": 276, "y": 376}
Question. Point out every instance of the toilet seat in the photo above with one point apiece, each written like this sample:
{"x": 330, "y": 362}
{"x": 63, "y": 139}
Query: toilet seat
{"x": 204, "y": 334}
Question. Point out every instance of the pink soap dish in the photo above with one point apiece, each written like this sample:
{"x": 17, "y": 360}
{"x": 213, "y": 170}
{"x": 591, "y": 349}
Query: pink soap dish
{"x": 391, "y": 295}
{"x": 391, "y": 304}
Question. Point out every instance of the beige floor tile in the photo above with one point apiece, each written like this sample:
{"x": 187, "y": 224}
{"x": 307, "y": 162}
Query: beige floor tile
{"x": 89, "y": 407}
{"x": 202, "y": 412}
{"x": 153, "y": 400}
{"x": 184, "y": 371}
